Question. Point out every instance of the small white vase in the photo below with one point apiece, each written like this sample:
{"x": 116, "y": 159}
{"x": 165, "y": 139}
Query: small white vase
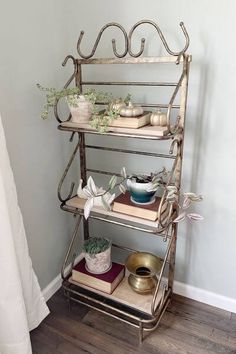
{"x": 98, "y": 263}
{"x": 81, "y": 112}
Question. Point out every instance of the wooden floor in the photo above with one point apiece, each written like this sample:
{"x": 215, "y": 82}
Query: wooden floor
{"x": 186, "y": 327}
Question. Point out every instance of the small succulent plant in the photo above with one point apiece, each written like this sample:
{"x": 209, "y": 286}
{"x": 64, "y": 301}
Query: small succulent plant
{"x": 95, "y": 245}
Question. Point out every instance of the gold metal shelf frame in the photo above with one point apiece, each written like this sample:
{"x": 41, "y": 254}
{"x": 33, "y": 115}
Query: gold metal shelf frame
{"x": 145, "y": 322}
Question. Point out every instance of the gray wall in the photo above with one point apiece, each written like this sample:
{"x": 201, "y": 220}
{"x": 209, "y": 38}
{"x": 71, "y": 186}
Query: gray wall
{"x": 35, "y": 39}
{"x": 206, "y": 251}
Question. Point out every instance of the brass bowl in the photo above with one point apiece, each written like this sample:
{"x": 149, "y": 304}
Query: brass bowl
{"x": 143, "y": 268}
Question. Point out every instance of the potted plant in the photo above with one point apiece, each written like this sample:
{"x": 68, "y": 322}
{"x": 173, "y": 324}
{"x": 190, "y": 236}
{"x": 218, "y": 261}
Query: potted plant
{"x": 97, "y": 254}
{"x": 81, "y": 105}
{"x": 143, "y": 187}
{"x": 150, "y": 183}
{"x": 103, "y": 197}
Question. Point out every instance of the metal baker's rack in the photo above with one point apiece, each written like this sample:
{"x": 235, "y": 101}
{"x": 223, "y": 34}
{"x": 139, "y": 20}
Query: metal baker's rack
{"x": 144, "y": 320}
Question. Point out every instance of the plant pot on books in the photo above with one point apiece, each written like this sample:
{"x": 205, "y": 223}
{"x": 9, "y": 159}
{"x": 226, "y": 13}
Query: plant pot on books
{"x": 81, "y": 108}
{"x": 97, "y": 254}
{"x": 141, "y": 189}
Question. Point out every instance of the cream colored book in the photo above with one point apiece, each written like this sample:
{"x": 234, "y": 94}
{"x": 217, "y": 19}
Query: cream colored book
{"x": 131, "y": 122}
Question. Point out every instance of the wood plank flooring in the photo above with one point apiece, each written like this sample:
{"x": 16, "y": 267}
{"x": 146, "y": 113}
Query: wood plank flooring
{"x": 187, "y": 327}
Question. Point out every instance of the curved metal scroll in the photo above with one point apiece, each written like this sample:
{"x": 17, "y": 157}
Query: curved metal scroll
{"x": 63, "y": 200}
{"x": 175, "y": 142}
{"x": 161, "y": 37}
{"x": 111, "y": 24}
{"x": 174, "y": 129}
{"x": 128, "y": 40}
{"x": 66, "y": 85}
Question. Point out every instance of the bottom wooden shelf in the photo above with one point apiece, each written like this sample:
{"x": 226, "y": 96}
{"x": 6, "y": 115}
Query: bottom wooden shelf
{"x": 126, "y": 296}
{"x": 123, "y": 304}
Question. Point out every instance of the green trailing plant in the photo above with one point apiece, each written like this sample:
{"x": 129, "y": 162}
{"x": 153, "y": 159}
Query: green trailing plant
{"x": 156, "y": 178}
{"x": 99, "y": 120}
{"x": 71, "y": 94}
{"x": 96, "y": 245}
{"x": 184, "y": 202}
{"x": 127, "y": 98}
{"x": 53, "y": 95}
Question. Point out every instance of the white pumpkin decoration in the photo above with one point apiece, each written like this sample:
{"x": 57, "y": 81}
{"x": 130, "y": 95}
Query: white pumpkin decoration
{"x": 131, "y": 110}
{"x": 158, "y": 118}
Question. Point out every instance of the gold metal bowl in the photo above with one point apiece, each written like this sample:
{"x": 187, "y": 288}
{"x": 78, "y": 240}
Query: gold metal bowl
{"x": 143, "y": 268}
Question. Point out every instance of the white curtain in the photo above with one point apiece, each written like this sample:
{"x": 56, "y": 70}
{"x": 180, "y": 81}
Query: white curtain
{"x": 22, "y": 306}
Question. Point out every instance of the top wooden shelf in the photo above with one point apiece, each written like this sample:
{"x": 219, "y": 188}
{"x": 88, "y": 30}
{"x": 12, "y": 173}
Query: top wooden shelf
{"x": 147, "y": 132}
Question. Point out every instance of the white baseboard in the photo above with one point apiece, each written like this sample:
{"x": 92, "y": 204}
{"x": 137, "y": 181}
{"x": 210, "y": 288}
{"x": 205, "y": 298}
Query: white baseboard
{"x": 52, "y": 288}
{"x": 207, "y": 297}
{"x": 55, "y": 284}
{"x": 189, "y": 291}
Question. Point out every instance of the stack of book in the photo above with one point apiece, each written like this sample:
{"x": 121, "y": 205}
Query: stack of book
{"x": 131, "y": 122}
{"x": 106, "y": 282}
{"x": 123, "y": 204}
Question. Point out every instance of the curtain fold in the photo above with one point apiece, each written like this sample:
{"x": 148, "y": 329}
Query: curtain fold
{"x": 22, "y": 306}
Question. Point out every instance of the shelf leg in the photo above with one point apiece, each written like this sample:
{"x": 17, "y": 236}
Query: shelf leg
{"x": 69, "y": 304}
{"x": 83, "y": 175}
{"x": 63, "y": 275}
{"x": 140, "y": 333}
{"x": 172, "y": 259}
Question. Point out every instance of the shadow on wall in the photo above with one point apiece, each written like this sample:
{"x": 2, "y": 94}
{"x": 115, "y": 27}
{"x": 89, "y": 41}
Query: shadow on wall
{"x": 199, "y": 130}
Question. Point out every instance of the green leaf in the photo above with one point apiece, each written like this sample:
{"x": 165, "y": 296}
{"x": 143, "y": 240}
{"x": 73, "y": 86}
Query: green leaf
{"x": 88, "y": 207}
{"x": 123, "y": 172}
{"x": 195, "y": 217}
{"x": 105, "y": 204}
{"x": 181, "y": 217}
{"x": 91, "y": 186}
{"x": 186, "y": 203}
{"x": 193, "y": 197}
{"x": 122, "y": 188}
{"x": 112, "y": 182}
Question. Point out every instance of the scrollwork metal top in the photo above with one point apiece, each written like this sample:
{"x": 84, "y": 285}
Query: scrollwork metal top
{"x": 128, "y": 40}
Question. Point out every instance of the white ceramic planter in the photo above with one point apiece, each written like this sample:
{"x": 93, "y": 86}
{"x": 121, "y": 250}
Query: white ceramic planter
{"x": 81, "y": 112}
{"x": 140, "y": 193}
{"x": 98, "y": 263}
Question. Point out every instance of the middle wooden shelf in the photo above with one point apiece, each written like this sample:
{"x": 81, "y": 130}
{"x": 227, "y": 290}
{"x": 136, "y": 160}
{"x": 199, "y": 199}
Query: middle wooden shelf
{"x": 75, "y": 205}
